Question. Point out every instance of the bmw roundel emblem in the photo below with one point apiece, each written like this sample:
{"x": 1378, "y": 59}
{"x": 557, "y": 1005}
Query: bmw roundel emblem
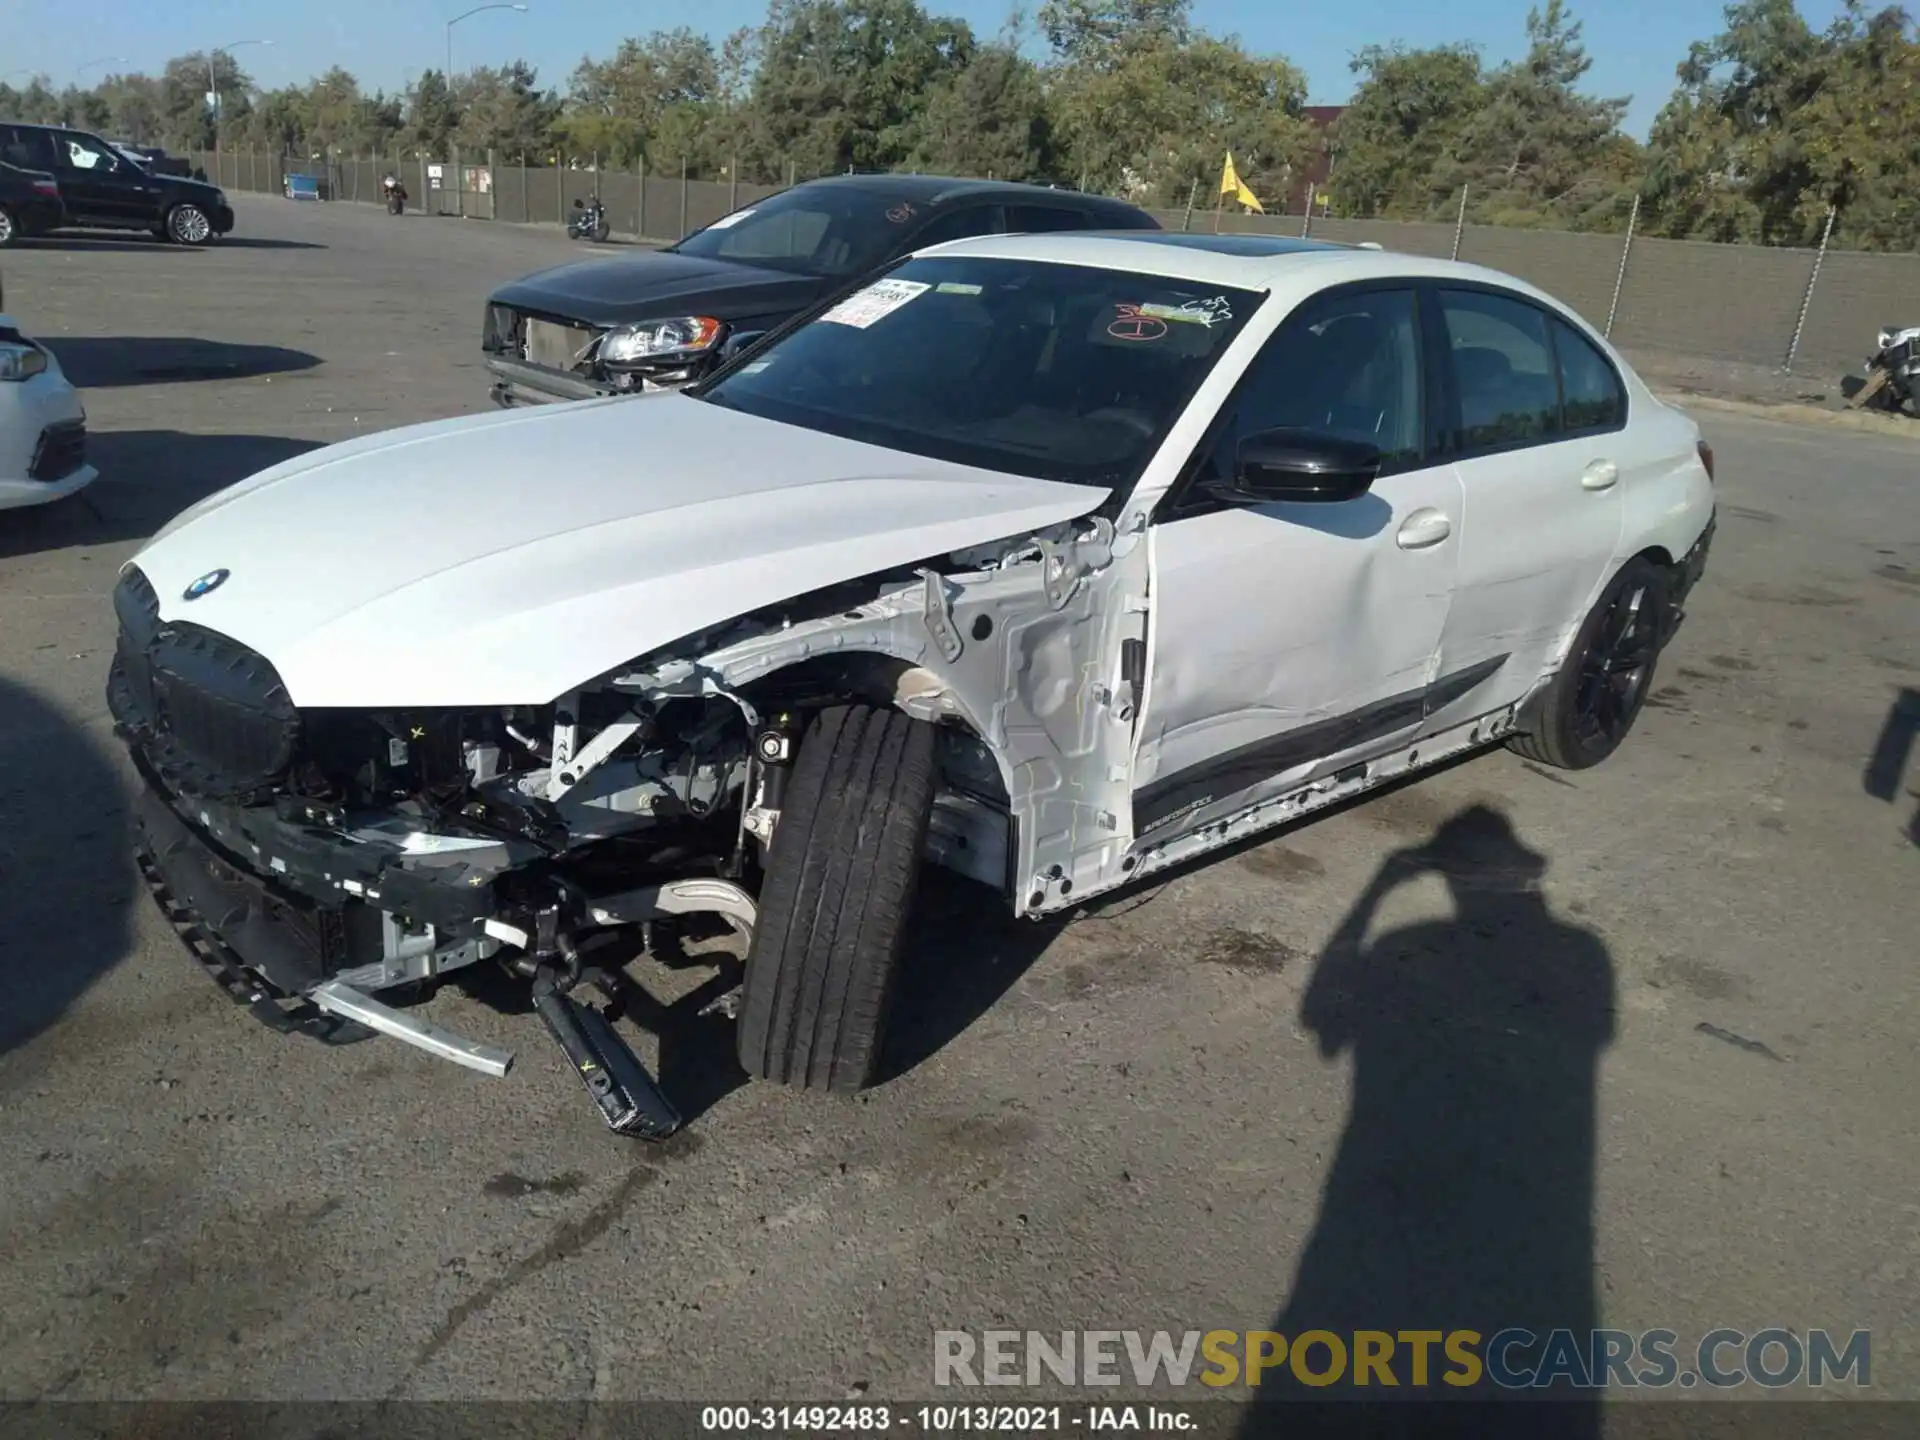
{"x": 205, "y": 585}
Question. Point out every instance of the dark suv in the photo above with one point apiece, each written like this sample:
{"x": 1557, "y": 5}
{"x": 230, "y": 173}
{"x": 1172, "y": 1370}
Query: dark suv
{"x": 29, "y": 204}
{"x": 662, "y": 319}
{"x": 104, "y": 190}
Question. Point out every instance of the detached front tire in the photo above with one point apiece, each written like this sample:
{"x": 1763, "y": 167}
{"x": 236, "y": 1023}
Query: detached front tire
{"x": 841, "y": 877}
{"x": 1589, "y": 706}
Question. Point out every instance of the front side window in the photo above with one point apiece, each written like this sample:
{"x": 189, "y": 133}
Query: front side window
{"x": 1345, "y": 365}
{"x": 838, "y": 231}
{"x": 1588, "y": 383}
{"x": 1504, "y": 375}
{"x": 1059, "y": 372}
{"x": 81, "y": 152}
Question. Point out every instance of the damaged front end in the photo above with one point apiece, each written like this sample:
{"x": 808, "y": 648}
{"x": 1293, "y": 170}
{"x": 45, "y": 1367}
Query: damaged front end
{"x": 319, "y": 861}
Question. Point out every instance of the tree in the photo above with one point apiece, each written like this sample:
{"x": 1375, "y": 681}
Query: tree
{"x": 1409, "y": 113}
{"x": 989, "y": 118}
{"x": 1146, "y": 106}
{"x": 1539, "y": 149}
{"x": 432, "y": 116}
{"x": 1772, "y": 123}
{"x": 841, "y": 83}
{"x": 504, "y": 110}
{"x": 655, "y": 99}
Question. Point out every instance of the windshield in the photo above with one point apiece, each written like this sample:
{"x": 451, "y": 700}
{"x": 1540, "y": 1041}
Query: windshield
{"x": 1058, "y": 372}
{"x": 836, "y": 230}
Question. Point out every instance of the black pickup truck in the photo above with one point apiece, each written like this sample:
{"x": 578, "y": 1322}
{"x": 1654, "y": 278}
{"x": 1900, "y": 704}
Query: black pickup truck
{"x": 661, "y": 319}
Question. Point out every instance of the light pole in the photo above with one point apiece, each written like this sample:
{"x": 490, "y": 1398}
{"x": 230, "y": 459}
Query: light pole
{"x": 213, "y": 82}
{"x": 457, "y": 19}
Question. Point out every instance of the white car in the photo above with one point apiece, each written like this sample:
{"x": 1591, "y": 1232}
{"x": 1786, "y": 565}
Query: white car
{"x": 1055, "y": 560}
{"x": 43, "y": 425}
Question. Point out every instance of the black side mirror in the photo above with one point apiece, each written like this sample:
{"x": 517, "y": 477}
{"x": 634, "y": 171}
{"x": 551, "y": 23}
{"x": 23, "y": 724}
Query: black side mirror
{"x": 1298, "y": 465}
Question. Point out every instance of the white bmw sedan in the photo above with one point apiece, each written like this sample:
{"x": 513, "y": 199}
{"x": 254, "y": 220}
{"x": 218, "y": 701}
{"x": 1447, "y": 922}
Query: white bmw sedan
{"x": 43, "y": 425}
{"x": 1055, "y": 560}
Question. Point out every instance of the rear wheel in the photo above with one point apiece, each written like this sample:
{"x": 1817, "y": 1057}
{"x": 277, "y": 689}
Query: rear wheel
{"x": 9, "y": 228}
{"x": 840, "y": 880}
{"x": 189, "y": 225}
{"x": 1588, "y": 708}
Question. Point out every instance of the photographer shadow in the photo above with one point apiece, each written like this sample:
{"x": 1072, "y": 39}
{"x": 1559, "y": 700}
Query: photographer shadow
{"x": 1462, "y": 1194}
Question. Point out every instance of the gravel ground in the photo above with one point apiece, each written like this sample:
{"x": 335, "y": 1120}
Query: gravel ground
{"x": 1631, "y": 1047}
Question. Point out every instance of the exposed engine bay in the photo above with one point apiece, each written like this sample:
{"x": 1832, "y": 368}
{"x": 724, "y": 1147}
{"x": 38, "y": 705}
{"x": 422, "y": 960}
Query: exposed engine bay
{"x": 346, "y": 852}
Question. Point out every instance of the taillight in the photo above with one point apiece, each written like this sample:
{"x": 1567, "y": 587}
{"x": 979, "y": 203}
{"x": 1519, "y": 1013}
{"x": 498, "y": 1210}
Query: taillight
{"x": 46, "y": 187}
{"x": 1706, "y": 458}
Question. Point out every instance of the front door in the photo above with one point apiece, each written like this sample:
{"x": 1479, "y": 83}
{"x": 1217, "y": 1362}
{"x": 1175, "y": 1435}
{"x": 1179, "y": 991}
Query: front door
{"x": 1536, "y": 418}
{"x": 101, "y": 187}
{"x": 1290, "y": 639}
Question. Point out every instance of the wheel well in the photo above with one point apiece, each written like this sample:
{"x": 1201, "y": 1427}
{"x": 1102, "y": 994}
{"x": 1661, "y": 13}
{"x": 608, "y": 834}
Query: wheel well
{"x": 1657, "y": 554}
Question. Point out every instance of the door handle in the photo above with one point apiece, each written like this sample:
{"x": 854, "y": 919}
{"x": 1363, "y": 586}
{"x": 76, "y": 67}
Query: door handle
{"x": 1600, "y": 475}
{"x": 1423, "y": 528}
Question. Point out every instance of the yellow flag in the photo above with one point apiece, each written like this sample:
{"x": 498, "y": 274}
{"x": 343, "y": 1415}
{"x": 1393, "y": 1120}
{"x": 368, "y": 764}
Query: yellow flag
{"x": 1232, "y": 184}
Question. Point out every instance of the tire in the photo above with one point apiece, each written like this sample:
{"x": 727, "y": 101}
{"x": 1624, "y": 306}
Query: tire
{"x": 10, "y": 228}
{"x": 189, "y": 225}
{"x": 840, "y": 882}
{"x": 1588, "y": 708}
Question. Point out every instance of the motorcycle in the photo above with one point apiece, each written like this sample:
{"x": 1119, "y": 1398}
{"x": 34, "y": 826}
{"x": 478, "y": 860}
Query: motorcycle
{"x": 396, "y": 197}
{"x": 589, "y": 221}
{"x": 1893, "y": 373}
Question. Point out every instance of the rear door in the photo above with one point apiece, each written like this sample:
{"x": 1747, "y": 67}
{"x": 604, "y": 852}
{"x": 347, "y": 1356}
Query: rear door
{"x": 1535, "y": 420}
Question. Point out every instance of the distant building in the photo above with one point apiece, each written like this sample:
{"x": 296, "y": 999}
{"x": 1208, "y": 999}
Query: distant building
{"x": 1320, "y": 167}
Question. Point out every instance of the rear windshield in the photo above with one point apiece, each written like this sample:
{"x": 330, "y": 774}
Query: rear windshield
{"x": 837, "y": 231}
{"x": 1059, "y": 372}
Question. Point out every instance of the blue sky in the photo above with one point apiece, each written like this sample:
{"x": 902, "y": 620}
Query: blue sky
{"x": 1635, "y": 43}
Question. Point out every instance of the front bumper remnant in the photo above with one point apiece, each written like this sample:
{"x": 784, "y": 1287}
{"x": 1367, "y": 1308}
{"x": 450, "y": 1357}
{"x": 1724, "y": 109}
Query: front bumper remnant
{"x": 307, "y": 967}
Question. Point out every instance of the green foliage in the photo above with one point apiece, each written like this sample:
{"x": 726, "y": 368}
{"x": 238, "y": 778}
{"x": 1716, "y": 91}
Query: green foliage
{"x": 1771, "y": 121}
{"x": 1774, "y": 122}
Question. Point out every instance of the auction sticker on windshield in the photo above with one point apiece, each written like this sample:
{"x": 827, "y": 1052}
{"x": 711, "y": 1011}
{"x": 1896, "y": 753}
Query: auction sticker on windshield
{"x": 876, "y": 302}
{"x": 728, "y": 220}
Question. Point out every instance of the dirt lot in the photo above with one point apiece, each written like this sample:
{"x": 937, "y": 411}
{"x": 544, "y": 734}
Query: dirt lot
{"x": 1644, "y": 1035}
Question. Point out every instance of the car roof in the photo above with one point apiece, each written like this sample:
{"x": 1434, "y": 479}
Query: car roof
{"x": 942, "y": 189}
{"x": 1256, "y": 263}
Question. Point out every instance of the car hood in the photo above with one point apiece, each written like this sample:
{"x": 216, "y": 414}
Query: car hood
{"x": 505, "y": 559}
{"x": 656, "y": 286}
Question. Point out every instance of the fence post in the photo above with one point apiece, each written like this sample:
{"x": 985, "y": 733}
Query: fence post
{"x": 733, "y": 175}
{"x": 683, "y": 195}
{"x": 1633, "y": 220}
{"x": 1806, "y": 301}
{"x": 459, "y": 182}
{"x": 640, "y": 219}
{"x": 560, "y": 188}
{"x": 1306, "y": 220}
{"x": 1186, "y": 220}
{"x": 1460, "y": 225}
{"x": 790, "y": 174}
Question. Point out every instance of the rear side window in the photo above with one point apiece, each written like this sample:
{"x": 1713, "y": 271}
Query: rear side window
{"x": 1042, "y": 219}
{"x": 1589, "y": 386}
{"x": 1505, "y": 380}
{"x": 961, "y": 224}
{"x": 25, "y": 147}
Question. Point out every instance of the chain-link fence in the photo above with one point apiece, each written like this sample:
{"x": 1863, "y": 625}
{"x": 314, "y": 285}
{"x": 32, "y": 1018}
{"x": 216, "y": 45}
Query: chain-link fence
{"x": 1782, "y": 308}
